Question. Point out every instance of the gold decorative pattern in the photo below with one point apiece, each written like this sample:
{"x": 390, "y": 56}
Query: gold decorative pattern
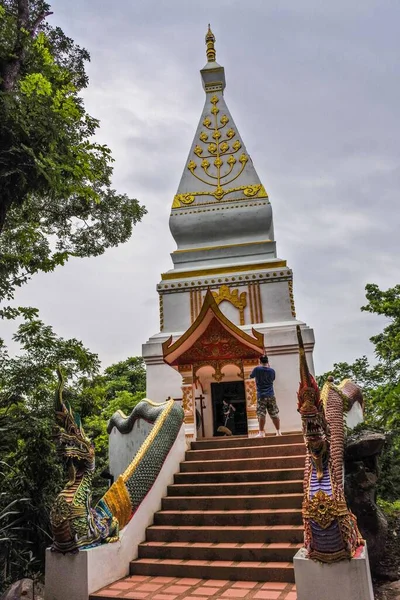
{"x": 187, "y": 399}
{"x": 216, "y": 208}
{"x": 218, "y": 375}
{"x": 255, "y": 302}
{"x": 251, "y": 394}
{"x": 161, "y": 307}
{"x": 195, "y": 304}
{"x": 250, "y": 191}
{"x": 238, "y": 281}
{"x": 118, "y": 501}
{"x": 249, "y": 363}
{"x": 291, "y": 298}
{"x": 210, "y": 41}
{"x": 199, "y": 303}
{"x": 192, "y": 317}
{"x": 260, "y": 311}
{"x": 218, "y": 365}
{"x": 185, "y": 369}
{"x": 233, "y": 297}
{"x": 233, "y": 206}
{"x": 217, "y": 169}
{"x": 174, "y": 353}
{"x": 251, "y": 298}
{"x": 180, "y": 199}
{"x": 253, "y": 432}
{"x": 323, "y": 509}
{"x": 276, "y": 264}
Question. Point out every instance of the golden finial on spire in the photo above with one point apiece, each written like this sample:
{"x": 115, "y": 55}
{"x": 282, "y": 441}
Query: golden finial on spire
{"x": 210, "y": 41}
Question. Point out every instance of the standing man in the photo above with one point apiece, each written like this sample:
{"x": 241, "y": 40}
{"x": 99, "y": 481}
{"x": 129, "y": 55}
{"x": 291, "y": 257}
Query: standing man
{"x": 265, "y": 376}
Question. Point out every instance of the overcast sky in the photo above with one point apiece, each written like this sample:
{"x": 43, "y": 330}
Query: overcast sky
{"x": 314, "y": 89}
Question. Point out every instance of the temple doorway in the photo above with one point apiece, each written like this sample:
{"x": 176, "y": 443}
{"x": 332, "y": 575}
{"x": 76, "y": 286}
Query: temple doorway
{"x": 234, "y": 393}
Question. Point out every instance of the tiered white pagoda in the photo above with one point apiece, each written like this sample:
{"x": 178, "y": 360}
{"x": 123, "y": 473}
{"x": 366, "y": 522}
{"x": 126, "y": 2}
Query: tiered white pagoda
{"x": 228, "y": 297}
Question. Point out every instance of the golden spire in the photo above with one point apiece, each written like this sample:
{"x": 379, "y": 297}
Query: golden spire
{"x": 210, "y": 41}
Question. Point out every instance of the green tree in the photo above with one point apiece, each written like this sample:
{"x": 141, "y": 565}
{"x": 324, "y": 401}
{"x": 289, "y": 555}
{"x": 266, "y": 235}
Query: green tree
{"x": 31, "y": 469}
{"x": 56, "y": 198}
{"x": 31, "y": 473}
{"x": 120, "y": 387}
{"x": 381, "y": 383}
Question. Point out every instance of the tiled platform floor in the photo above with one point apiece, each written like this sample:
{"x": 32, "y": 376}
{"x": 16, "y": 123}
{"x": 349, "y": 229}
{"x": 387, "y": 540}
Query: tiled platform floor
{"x": 138, "y": 587}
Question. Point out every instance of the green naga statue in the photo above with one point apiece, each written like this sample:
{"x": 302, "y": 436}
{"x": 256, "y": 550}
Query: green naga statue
{"x": 75, "y": 523}
{"x": 330, "y": 528}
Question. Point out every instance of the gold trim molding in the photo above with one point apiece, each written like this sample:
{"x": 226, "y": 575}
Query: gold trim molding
{"x": 161, "y": 308}
{"x": 291, "y": 298}
{"x": 195, "y": 304}
{"x": 221, "y": 270}
{"x": 250, "y": 191}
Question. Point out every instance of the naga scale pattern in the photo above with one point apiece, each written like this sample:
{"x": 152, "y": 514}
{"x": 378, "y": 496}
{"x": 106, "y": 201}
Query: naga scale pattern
{"x": 75, "y": 523}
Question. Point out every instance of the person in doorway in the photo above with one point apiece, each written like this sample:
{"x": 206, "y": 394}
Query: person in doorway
{"x": 229, "y": 415}
{"x": 265, "y": 377}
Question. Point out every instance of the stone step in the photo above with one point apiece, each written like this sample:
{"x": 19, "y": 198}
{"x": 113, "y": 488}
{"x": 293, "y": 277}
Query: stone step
{"x": 258, "y": 552}
{"x": 242, "y": 488}
{"x": 243, "y": 464}
{"x": 293, "y": 534}
{"x": 260, "y": 451}
{"x": 184, "y": 503}
{"x": 245, "y": 518}
{"x": 257, "y": 475}
{"x": 244, "y": 441}
{"x": 225, "y": 570}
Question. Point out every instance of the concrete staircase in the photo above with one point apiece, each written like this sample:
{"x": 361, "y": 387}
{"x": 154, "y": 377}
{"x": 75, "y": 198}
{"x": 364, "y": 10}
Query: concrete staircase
{"x": 232, "y": 514}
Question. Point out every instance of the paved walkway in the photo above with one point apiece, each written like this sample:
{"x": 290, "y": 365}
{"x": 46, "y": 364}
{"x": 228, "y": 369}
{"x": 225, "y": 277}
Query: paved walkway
{"x": 139, "y": 587}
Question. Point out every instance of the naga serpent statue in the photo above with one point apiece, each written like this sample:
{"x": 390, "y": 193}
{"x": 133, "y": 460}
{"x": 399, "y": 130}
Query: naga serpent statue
{"x": 75, "y": 523}
{"x": 330, "y": 528}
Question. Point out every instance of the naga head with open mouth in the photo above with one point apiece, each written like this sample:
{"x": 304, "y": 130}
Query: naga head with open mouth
{"x": 73, "y": 446}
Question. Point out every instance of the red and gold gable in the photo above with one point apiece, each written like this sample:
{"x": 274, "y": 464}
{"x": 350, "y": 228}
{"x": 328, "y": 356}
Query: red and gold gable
{"x": 216, "y": 343}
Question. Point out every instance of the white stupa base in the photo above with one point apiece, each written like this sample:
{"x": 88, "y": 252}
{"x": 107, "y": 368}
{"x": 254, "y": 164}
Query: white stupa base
{"x": 344, "y": 580}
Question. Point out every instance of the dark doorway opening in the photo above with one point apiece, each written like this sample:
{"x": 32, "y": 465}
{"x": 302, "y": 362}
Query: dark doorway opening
{"x": 233, "y": 392}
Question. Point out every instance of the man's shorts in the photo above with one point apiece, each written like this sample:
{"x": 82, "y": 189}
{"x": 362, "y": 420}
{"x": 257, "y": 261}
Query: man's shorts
{"x": 267, "y": 403}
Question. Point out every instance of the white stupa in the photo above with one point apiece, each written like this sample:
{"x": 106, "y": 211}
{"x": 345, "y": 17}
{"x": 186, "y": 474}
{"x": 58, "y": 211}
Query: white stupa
{"x": 228, "y": 297}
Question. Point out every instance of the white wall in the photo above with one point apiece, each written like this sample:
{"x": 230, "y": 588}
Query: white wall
{"x": 123, "y": 447}
{"x": 176, "y": 311}
{"x": 162, "y": 381}
{"x": 275, "y": 302}
{"x": 286, "y": 386}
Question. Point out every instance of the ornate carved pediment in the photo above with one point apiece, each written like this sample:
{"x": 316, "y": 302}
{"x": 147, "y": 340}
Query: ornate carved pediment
{"x": 232, "y": 296}
{"x": 216, "y": 343}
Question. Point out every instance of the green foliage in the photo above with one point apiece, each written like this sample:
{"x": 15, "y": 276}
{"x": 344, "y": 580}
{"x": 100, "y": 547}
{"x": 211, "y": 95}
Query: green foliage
{"x": 27, "y": 385}
{"x": 387, "y": 343}
{"x": 381, "y": 385}
{"x": 31, "y": 469}
{"x": 56, "y": 198}
{"x": 120, "y": 387}
{"x": 12, "y": 548}
{"x": 390, "y": 508}
{"x": 360, "y": 372}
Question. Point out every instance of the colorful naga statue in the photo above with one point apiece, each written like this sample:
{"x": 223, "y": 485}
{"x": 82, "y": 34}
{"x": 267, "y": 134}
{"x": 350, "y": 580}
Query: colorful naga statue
{"x": 75, "y": 523}
{"x": 330, "y": 528}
